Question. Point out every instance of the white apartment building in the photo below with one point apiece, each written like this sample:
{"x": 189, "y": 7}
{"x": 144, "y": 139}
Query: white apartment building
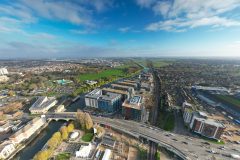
{"x": 3, "y": 71}
{"x": 28, "y": 130}
{"x": 6, "y": 149}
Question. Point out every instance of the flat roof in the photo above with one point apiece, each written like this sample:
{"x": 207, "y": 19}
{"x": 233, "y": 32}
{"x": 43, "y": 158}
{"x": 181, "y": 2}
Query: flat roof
{"x": 130, "y": 81}
{"x": 127, "y": 83}
{"x": 109, "y": 96}
{"x": 107, "y": 140}
{"x": 134, "y": 102}
{"x": 115, "y": 91}
{"x": 210, "y": 122}
{"x": 121, "y": 86}
{"x": 94, "y": 94}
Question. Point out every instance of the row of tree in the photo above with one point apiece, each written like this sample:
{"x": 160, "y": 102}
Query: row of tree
{"x": 54, "y": 142}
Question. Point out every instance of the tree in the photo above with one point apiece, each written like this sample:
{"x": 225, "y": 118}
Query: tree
{"x": 11, "y": 93}
{"x": 42, "y": 155}
{"x": 88, "y": 121}
{"x": 55, "y": 140}
{"x": 80, "y": 117}
{"x": 70, "y": 127}
{"x": 64, "y": 133}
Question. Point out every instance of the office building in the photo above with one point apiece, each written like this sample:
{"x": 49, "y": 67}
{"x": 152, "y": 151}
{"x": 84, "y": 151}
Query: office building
{"x": 133, "y": 109}
{"x": 91, "y": 99}
{"x": 105, "y": 101}
{"x": 43, "y": 104}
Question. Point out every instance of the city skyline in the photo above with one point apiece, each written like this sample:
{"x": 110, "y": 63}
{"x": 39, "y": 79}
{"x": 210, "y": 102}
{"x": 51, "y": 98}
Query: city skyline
{"x": 110, "y": 28}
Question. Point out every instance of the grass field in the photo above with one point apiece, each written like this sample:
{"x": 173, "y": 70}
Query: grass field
{"x": 229, "y": 99}
{"x": 87, "y": 137}
{"x": 169, "y": 123}
{"x": 63, "y": 156}
{"x": 104, "y": 74}
{"x": 158, "y": 156}
{"x": 156, "y": 62}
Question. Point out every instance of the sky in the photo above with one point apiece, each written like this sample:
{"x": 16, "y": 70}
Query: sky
{"x": 119, "y": 28}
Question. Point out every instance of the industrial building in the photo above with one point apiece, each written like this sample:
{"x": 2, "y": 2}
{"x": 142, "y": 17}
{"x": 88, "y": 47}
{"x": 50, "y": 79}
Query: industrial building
{"x": 43, "y": 104}
{"x": 105, "y": 101}
{"x": 133, "y": 109}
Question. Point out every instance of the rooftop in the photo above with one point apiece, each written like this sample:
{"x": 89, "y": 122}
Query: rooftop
{"x": 42, "y": 102}
{"x": 115, "y": 91}
{"x": 127, "y": 83}
{"x": 109, "y": 96}
{"x": 211, "y": 122}
{"x": 134, "y": 102}
{"x": 121, "y": 86}
{"x": 96, "y": 93}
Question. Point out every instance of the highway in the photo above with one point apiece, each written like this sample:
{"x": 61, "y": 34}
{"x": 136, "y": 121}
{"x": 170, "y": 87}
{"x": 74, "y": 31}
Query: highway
{"x": 181, "y": 145}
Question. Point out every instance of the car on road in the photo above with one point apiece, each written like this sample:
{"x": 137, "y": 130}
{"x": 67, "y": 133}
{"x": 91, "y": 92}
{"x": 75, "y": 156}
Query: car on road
{"x": 188, "y": 138}
{"x": 222, "y": 148}
{"x": 184, "y": 142}
{"x": 174, "y": 139}
{"x": 206, "y": 143}
{"x": 212, "y": 151}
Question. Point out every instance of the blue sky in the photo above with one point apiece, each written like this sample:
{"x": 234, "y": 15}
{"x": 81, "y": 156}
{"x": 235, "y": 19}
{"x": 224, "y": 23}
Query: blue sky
{"x": 96, "y": 28}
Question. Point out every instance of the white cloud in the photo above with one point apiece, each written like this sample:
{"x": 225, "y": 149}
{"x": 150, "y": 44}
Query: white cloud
{"x": 59, "y": 10}
{"x": 162, "y": 8}
{"x": 124, "y": 29}
{"x": 145, "y": 3}
{"x": 180, "y": 25}
{"x": 179, "y": 15}
{"x": 78, "y": 12}
{"x": 80, "y": 31}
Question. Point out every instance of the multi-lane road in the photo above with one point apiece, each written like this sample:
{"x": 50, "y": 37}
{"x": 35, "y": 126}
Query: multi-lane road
{"x": 183, "y": 146}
